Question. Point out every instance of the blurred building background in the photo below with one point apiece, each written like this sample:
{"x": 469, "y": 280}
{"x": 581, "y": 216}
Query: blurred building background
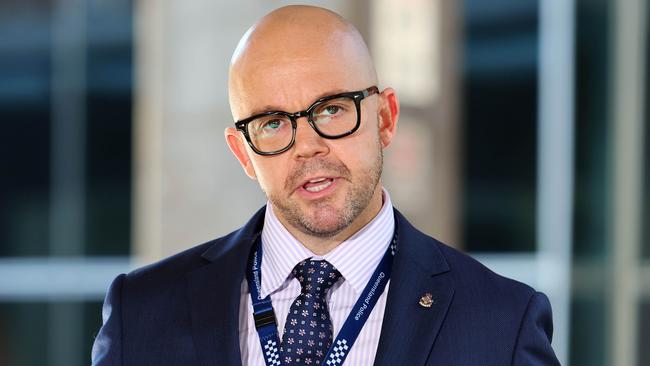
{"x": 524, "y": 140}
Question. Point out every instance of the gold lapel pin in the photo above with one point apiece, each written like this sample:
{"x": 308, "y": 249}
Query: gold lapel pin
{"x": 426, "y": 300}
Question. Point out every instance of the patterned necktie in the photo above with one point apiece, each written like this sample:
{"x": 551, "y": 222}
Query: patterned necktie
{"x": 308, "y": 329}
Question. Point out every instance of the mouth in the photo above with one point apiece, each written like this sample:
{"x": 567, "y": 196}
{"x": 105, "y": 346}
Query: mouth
{"x": 317, "y": 184}
{"x": 317, "y": 187}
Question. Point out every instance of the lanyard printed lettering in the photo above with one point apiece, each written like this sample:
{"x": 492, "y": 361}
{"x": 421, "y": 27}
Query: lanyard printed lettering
{"x": 266, "y": 324}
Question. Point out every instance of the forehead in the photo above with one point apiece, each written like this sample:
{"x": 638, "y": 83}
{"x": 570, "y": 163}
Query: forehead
{"x": 291, "y": 76}
{"x": 296, "y": 84}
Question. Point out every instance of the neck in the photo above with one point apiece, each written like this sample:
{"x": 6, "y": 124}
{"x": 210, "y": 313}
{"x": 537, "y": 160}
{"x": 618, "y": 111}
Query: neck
{"x": 323, "y": 245}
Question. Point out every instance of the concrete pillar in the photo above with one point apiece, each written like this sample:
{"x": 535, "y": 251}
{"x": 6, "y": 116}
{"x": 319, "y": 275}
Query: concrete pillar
{"x": 188, "y": 187}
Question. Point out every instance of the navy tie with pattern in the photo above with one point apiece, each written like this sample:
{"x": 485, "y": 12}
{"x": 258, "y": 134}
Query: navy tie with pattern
{"x": 308, "y": 329}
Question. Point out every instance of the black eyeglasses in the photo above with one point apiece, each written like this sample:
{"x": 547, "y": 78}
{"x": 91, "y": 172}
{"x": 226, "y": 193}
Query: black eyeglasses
{"x": 332, "y": 117}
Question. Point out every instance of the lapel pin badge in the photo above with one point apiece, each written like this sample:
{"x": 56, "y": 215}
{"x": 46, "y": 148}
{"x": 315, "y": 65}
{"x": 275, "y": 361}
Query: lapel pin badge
{"x": 426, "y": 300}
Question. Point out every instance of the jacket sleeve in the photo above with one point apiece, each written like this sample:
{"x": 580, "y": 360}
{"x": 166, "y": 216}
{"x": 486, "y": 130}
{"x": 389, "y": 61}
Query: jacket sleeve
{"x": 533, "y": 345}
{"x": 107, "y": 349}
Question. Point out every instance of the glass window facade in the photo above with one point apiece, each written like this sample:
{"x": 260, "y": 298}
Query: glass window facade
{"x": 644, "y": 333}
{"x": 26, "y": 104}
{"x": 67, "y": 96}
{"x": 645, "y": 238}
{"x": 25, "y": 71}
{"x": 589, "y": 311}
{"x": 108, "y": 133}
{"x": 500, "y": 122}
{"x": 29, "y": 326}
{"x": 66, "y": 81}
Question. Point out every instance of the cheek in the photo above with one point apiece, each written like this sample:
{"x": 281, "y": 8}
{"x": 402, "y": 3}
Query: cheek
{"x": 364, "y": 144}
{"x": 360, "y": 154}
{"x": 271, "y": 175}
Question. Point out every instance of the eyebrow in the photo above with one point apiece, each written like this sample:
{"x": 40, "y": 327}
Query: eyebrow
{"x": 271, "y": 108}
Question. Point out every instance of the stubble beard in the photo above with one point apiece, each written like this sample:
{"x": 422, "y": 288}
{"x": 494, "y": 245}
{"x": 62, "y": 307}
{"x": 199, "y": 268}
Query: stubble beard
{"x": 322, "y": 219}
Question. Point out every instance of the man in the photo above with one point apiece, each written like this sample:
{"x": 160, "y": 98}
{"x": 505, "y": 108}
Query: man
{"x": 328, "y": 272}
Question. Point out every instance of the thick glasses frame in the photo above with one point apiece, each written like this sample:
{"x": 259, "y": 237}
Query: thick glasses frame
{"x": 356, "y": 96}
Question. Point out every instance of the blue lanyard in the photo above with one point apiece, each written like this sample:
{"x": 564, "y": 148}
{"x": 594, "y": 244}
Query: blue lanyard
{"x": 266, "y": 324}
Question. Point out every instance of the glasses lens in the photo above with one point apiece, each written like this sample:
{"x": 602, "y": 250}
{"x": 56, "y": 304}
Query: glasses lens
{"x": 335, "y": 116}
{"x": 270, "y": 133}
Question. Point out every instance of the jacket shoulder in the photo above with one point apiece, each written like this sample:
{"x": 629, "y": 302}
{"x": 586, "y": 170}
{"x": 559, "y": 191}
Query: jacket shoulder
{"x": 492, "y": 301}
{"x": 475, "y": 276}
{"x": 232, "y": 246}
{"x": 468, "y": 275}
{"x": 174, "y": 265}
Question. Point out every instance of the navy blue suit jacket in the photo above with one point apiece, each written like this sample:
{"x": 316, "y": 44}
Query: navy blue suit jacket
{"x": 184, "y": 310}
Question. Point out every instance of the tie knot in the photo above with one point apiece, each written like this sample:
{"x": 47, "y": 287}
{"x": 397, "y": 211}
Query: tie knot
{"x": 316, "y": 277}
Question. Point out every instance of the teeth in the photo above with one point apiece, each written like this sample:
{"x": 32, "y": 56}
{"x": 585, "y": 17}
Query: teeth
{"x": 319, "y": 187}
{"x": 317, "y": 180}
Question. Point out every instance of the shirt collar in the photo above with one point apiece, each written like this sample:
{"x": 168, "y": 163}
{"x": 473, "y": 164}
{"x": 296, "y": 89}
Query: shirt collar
{"x": 356, "y": 258}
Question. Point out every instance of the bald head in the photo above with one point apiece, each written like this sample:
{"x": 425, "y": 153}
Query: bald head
{"x": 305, "y": 47}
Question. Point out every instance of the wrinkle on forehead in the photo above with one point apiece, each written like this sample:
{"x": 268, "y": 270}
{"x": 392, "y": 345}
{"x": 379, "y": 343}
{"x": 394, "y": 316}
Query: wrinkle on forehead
{"x": 302, "y": 38}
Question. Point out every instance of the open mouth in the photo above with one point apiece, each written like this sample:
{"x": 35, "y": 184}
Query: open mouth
{"x": 317, "y": 184}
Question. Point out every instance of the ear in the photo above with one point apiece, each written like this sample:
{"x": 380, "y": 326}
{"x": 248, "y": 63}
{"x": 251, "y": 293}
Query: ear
{"x": 237, "y": 144}
{"x": 388, "y": 112}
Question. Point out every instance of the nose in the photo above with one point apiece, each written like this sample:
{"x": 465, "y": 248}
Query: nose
{"x": 308, "y": 143}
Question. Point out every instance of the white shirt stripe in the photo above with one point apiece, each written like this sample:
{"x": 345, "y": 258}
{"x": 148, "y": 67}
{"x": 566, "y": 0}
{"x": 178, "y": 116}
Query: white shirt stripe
{"x": 356, "y": 258}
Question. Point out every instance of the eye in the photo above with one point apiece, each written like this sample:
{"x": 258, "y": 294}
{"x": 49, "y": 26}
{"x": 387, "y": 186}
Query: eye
{"x": 331, "y": 110}
{"x": 271, "y": 125}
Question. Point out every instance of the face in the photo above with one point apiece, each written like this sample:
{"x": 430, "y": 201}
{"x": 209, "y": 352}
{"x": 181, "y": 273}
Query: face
{"x": 319, "y": 187}
{"x": 322, "y": 195}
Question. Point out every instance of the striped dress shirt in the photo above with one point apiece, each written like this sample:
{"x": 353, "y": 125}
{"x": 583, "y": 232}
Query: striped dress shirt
{"x": 356, "y": 258}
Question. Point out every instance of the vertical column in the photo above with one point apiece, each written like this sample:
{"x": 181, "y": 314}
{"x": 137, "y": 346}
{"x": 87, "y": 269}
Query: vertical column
{"x": 448, "y": 129}
{"x": 67, "y": 212}
{"x": 149, "y": 114}
{"x": 555, "y": 163}
{"x": 68, "y": 139}
{"x": 415, "y": 46}
{"x": 626, "y": 174}
{"x": 188, "y": 186}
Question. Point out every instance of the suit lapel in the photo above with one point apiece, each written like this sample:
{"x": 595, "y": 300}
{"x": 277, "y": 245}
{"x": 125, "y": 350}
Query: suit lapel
{"x": 409, "y": 329}
{"x": 214, "y": 305}
{"x": 214, "y": 292}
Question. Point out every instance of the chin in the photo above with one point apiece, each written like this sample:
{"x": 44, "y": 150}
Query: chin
{"x": 325, "y": 221}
